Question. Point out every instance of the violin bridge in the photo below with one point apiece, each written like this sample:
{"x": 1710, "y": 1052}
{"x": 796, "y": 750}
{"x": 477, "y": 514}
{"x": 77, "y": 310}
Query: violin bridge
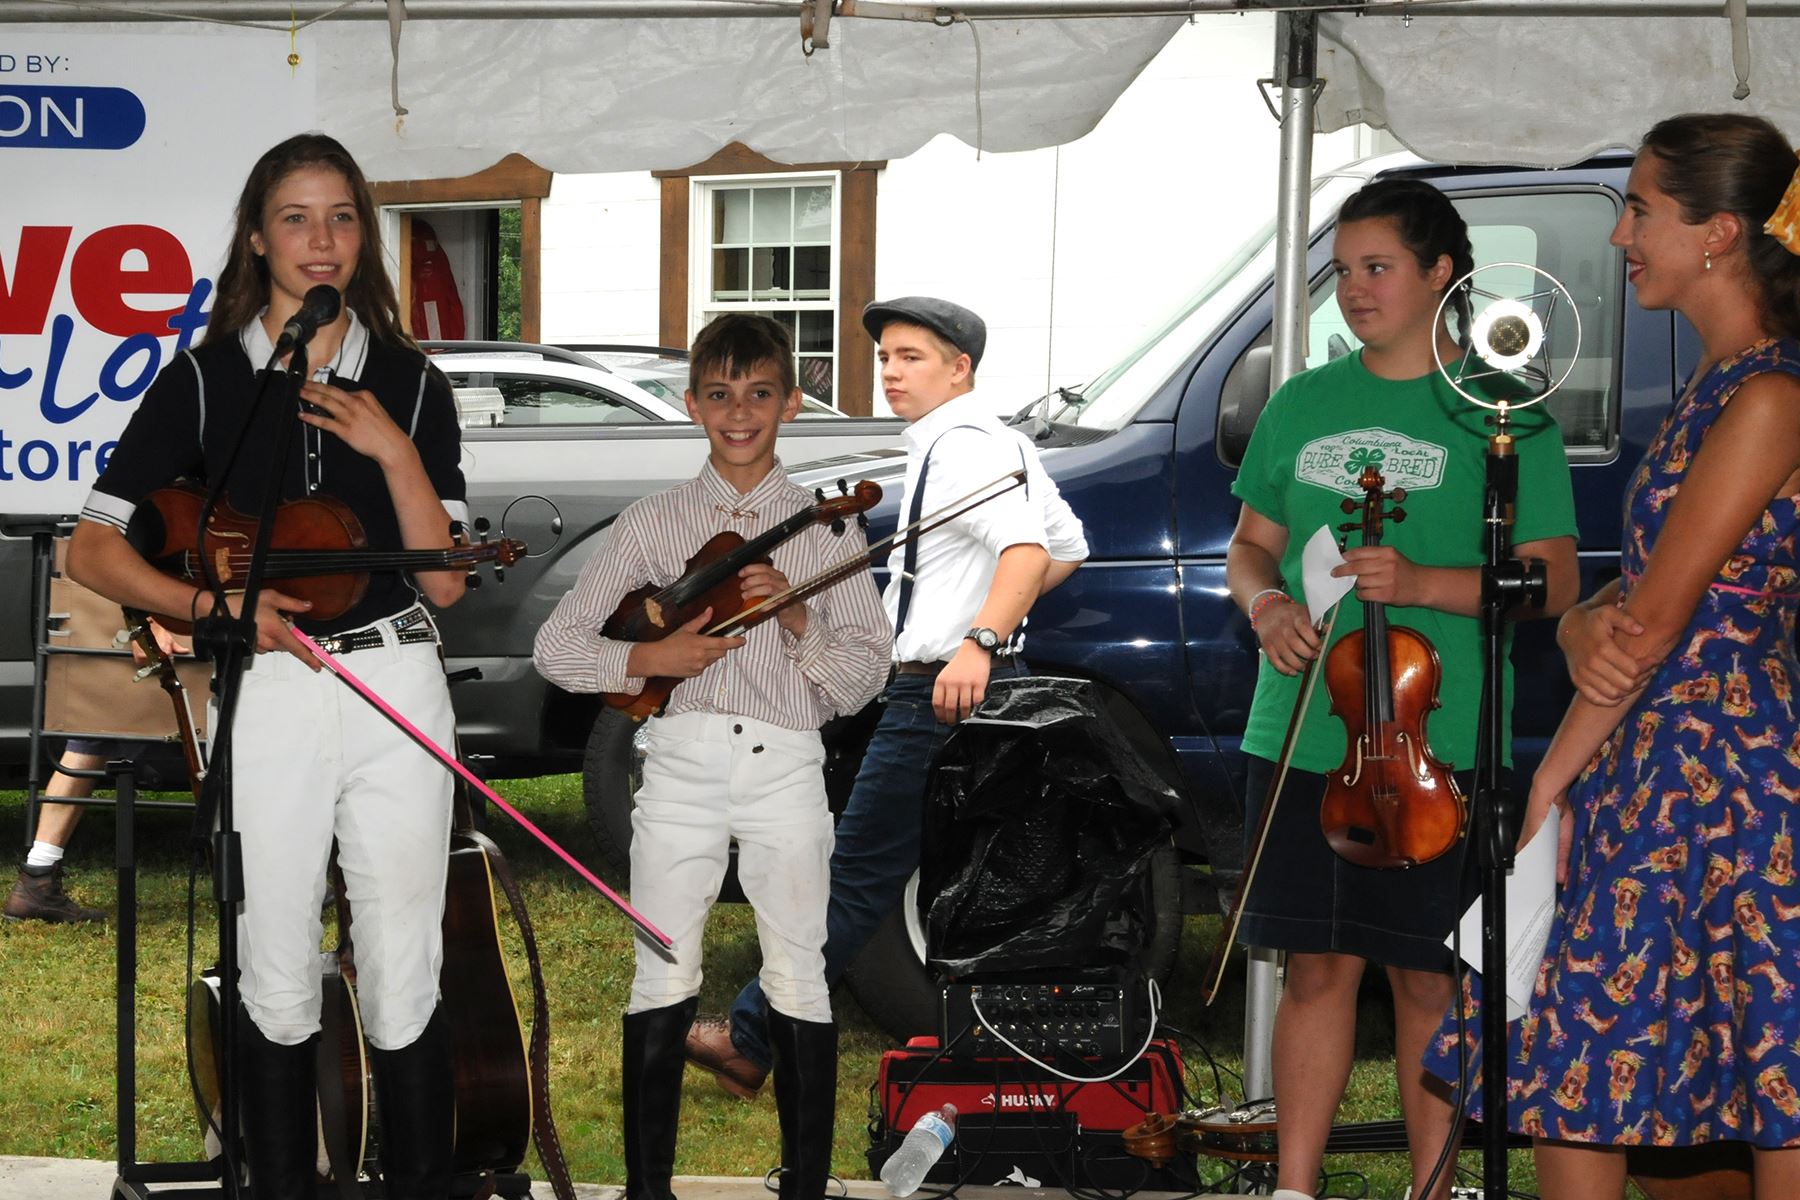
{"x": 654, "y": 611}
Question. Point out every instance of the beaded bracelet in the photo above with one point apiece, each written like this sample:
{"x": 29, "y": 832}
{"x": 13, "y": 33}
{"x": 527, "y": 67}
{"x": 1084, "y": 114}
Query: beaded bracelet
{"x": 1263, "y": 599}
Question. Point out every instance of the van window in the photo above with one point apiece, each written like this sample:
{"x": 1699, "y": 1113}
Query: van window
{"x": 1563, "y": 231}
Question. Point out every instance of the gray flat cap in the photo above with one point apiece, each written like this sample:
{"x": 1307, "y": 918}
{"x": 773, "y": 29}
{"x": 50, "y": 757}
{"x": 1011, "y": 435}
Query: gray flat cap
{"x": 952, "y": 322}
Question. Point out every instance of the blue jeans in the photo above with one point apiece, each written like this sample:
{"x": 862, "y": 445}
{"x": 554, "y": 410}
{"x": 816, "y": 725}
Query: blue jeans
{"x": 877, "y": 846}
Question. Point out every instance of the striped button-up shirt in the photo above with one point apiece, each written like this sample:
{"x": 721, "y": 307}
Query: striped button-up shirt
{"x": 797, "y": 683}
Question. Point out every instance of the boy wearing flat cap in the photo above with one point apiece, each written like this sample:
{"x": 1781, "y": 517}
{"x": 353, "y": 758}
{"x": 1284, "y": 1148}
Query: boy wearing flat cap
{"x": 957, "y": 597}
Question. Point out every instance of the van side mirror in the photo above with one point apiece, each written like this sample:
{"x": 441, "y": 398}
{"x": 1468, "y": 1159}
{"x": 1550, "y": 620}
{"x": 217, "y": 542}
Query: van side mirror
{"x": 1241, "y": 401}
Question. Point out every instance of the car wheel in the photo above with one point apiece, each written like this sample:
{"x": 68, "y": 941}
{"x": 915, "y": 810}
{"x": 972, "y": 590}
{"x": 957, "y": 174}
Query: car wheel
{"x": 611, "y": 770}
{"x": 889, "y": 980}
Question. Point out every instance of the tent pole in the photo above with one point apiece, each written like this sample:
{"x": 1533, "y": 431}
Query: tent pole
{"x": 1298, "y": 34}
{"x": 1297, "y": 42}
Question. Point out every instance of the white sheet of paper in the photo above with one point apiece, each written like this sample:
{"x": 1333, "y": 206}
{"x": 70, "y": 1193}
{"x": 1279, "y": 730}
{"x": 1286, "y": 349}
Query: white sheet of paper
{"x": 1317, "y": 558}
{"x": 1530, "y": 908}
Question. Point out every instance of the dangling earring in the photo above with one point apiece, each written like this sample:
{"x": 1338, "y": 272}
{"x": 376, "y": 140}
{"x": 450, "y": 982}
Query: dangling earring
{"x": 1708, "y": 254}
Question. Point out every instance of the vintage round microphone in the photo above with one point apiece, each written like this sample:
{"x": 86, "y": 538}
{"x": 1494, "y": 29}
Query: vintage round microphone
{"x": 1511, "y": 335}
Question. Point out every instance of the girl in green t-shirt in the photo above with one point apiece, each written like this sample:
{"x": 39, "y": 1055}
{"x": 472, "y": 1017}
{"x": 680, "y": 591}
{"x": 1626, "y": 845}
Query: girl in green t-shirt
{"x": 1400, "y": 244}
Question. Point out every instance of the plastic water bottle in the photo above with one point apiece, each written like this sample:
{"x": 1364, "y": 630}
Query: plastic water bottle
{"x": 925, "y": 1143}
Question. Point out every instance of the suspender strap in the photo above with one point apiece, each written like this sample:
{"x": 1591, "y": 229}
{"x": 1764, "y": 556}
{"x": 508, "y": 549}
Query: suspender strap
{"x": 909, "y": 555}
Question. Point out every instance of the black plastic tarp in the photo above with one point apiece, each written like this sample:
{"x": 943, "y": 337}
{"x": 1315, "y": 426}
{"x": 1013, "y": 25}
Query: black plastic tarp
{"x": 1040, "y": 820}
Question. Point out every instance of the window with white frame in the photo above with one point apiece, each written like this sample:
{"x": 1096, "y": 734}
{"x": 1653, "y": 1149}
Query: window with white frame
{"x": 769, "y": 244}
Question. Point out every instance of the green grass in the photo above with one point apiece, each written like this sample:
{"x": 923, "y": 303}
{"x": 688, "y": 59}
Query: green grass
{"x": 56, "y": 987}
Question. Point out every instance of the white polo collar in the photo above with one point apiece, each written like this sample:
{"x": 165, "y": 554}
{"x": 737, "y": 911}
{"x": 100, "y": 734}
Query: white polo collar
{"x": 352, "y": 355}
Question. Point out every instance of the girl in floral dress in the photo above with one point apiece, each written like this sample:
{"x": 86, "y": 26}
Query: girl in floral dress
{"x": 1663, "y": 1011}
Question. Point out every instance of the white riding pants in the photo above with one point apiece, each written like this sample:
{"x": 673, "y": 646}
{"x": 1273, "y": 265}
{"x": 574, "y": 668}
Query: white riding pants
{"x": 314, "y": 760}
{"x": 709, "y": 778}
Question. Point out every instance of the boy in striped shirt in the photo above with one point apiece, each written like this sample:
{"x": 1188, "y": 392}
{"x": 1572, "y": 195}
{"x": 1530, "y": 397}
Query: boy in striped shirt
{"x": 737, "y": 752}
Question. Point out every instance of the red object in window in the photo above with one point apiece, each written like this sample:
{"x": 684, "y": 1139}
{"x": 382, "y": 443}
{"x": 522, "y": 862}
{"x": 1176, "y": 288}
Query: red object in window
{"x": 437, "y": 312}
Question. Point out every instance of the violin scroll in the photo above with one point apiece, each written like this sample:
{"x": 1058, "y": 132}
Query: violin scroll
{"x": 851, "y": 502}
{"x": 502, "y": 554}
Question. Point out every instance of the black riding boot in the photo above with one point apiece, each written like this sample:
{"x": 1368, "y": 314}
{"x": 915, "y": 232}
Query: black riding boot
{"x": 805, "y": 1101}
{"x": 280, "y": 1113}
{"x": 418, "y": 1114}
{"x": 654, "y": 1056}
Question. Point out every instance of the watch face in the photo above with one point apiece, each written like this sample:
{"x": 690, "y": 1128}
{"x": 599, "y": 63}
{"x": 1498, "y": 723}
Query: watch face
{"x": 987, "y": 639}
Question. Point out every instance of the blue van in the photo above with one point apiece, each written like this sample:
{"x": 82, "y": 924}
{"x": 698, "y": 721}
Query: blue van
{"x": 1146, "y": 454}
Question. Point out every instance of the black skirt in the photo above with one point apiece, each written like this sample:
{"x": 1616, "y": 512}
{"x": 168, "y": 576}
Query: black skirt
{"x": 1307, "y": 900}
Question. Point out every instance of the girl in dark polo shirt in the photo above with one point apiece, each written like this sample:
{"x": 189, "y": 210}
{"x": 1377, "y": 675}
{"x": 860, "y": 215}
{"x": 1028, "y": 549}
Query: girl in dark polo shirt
{"x": 311, "y": 762}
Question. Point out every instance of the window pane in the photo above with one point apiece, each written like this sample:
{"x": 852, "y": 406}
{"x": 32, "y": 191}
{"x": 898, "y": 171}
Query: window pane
{"x": 812, "y": 214}
{"x": 731, "y": 275}
{"x": 773, "y": 215}
{"x": 812, "y": 272}
{"x": 731, "y": 215}
{"x": 816, "y": 332}
{"x": 815, "y": 377}
{"x": 1564, "y": 233}
{"x": 535, "y": 402}
{"x": 769, "y": 271}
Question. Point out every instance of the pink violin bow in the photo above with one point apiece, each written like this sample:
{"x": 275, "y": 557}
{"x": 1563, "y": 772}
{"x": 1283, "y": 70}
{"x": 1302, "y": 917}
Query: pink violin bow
{"x": 387, "y": 710}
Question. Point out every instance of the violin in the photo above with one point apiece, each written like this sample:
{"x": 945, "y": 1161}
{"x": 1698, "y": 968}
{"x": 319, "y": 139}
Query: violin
{"x": 710, "y": 580}
{"x": 1391, "y": 804}
{"x": 317, "y": 543}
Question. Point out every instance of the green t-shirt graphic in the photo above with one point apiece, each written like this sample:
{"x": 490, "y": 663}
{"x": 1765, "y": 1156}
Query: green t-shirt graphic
{"x": 1309, "y": 447}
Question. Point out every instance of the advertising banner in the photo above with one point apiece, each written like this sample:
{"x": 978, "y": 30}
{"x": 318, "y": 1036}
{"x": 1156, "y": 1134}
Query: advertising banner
{"x": 121, "y": 156}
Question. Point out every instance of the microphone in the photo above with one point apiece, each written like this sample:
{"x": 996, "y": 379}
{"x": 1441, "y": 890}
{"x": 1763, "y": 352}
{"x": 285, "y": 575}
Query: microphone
{"x": 1507, "y": 334}
{"x": 319, "y": 307}
{"x": 1512, "y": 334}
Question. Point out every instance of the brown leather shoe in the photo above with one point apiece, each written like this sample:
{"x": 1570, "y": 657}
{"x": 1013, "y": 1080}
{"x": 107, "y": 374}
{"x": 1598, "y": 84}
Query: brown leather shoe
{"x": 38, "y": 896}
{"x": 710, "y": 1048}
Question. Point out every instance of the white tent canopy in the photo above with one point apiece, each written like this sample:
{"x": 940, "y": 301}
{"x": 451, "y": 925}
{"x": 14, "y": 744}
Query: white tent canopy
{"x": 1546, "y": 90}
{"x": 643, "y": 93}
{"x": 608, "y": 85}
{"x": 618, "y": 86}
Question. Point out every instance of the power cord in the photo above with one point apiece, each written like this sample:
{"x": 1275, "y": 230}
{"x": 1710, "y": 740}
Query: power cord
{"x": 1152, "y": 993}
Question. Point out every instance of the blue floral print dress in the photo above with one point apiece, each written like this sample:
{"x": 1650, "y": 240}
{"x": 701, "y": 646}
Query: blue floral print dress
{"x": 1665, "y": 1009}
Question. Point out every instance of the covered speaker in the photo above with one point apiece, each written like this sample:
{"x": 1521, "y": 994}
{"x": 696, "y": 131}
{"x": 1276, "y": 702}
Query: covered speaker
{"x": 1040, "y": 821}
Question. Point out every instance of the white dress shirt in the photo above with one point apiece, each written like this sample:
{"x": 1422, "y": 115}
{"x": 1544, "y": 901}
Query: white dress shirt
{"x": 954, "y": 567}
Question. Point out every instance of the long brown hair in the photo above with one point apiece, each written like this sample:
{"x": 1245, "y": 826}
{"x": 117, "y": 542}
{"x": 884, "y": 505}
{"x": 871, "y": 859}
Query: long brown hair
{"x": 1732, "y": 163}
{"x": 244, "y": 281}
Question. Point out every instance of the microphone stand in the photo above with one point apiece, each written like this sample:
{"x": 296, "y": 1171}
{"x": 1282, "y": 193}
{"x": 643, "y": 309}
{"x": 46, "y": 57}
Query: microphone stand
{"x": 1506, "y": 583}
{"x": 229, "y": 642}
